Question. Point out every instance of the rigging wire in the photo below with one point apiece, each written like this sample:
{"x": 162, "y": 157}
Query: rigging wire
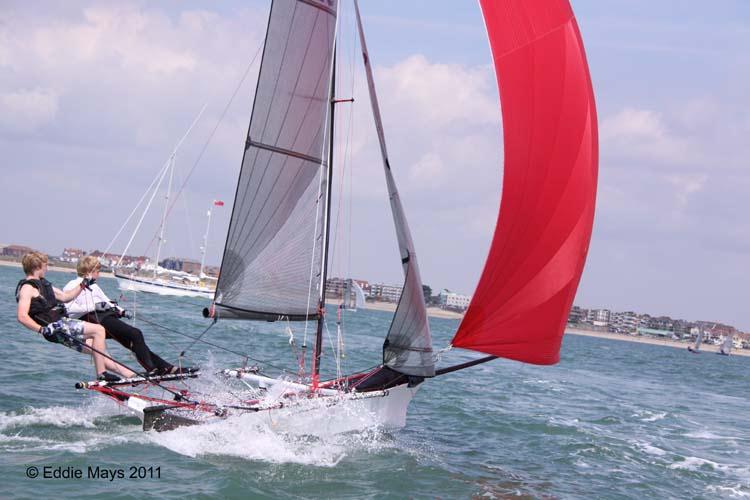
{"x": 217, "y": 346}
{"x": 211, "y": 135}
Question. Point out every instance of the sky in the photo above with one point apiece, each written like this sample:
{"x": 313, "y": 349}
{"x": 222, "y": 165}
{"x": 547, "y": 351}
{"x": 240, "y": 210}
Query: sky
{"x": 94, "y": 96}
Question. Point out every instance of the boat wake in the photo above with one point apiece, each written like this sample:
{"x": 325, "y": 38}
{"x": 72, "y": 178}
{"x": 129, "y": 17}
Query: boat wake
{"x": 308, "y": 433}
{"x": 262, "y": 439}
{"x": 93, "y": 425}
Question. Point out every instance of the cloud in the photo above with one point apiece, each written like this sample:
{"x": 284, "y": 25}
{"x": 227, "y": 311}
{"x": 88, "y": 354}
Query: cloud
{"x": 26, "y": 110}
{"x": 643, "y": 133}
{"x": 686, "y": 185}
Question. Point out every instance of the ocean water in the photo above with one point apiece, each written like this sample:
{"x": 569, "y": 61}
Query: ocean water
{"x": 611, "y": 420}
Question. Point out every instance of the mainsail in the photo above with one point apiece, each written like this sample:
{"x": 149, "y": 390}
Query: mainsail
{"x": 698, "y": 340}
{"x": 726, "y": 346}
{"x": 275, "y": 242}
{"x": 546, "y": 214}
{"x": 408, "y": 345}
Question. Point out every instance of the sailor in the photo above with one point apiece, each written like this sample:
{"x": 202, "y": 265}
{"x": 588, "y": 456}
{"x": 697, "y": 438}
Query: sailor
{"x": 93, "y": 305}
{"x": 40, "y": 309}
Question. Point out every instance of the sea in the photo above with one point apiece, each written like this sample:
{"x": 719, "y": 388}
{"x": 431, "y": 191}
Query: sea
{"x": 611, "y": 420}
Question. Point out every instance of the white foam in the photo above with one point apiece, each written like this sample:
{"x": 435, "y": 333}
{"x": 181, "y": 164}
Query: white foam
{"x": 732, "y": 491}
{"x": 56, "y": 416}
{"x": 649, "y": 448}
{"x": 650, "y": 416}
{"x": 309, "y": 436}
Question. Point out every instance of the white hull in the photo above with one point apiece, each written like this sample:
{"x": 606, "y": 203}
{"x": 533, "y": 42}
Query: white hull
{"x": 346, "y": 412}
{"x": 333, "y": 413}
{"x": 162, "y": 287}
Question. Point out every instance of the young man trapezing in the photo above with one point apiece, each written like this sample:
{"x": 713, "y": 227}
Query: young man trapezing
{"x": 92, "y": 305}
{"x": 40, "y": 309}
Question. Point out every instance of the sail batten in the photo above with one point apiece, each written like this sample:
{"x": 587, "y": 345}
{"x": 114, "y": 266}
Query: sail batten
{"x": 520, "y": 307}
{"x": 274, "y": 242}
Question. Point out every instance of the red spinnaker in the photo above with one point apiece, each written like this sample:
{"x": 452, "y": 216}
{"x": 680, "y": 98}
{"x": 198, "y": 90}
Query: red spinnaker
{"x": 526, "y": 290}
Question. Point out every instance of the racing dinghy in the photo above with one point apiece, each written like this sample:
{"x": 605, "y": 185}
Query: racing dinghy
{"x": 275, "y": 261}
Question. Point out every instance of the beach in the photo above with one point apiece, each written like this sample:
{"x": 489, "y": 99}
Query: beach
{"x": 434, "y": 312}
{"x": 652, "y": 340}
{"x": 60, "y": 269}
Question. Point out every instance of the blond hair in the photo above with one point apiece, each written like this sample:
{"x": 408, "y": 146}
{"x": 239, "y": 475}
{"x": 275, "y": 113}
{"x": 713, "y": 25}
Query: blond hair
{"x": 33, "y": 261}
{"x": 87, "y": 265}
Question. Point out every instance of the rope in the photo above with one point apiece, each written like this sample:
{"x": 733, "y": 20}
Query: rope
{"x": 210, "y": 137}
{"x": 217, "y": 346}
{"x": 197, "y": 339}
{"x": 148, "y": 379}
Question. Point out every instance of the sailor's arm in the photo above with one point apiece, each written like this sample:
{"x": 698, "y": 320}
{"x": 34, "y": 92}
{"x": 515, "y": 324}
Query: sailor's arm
{"x": 69, "y": 295}
{"x": 24, "y": 303}
{"x": 80, "y": 305}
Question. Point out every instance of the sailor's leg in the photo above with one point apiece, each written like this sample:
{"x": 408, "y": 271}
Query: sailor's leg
{"x": 118, "y": 368}
{"x": 95, "y": 334}
{"x": 132, "y": 339}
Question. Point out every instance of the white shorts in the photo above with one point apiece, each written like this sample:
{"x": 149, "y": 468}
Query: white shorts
{"x": 70, "y": 335}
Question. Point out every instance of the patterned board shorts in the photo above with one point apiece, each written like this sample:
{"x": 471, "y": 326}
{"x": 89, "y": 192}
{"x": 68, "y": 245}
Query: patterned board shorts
{"x": 73, "y": 328}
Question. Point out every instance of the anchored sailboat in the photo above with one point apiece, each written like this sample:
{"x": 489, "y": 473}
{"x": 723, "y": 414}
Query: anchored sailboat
{"x": 275, "y": 260}
{"x": 154, "y": 278}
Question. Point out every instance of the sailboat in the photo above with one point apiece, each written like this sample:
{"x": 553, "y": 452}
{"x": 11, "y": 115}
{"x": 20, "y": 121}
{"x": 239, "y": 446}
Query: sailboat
{"x": 154, "y": 278}
{"x": 696, "y": 348}
{"x": 726, "y": 347}
{"x": 353, "y": 297}
{"x": 168, "y": 282}
{"x": 275, "y": 262}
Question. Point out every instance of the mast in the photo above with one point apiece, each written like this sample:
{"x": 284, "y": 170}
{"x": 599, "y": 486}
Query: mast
{"x": 166, "y": 210}
{"x": 205, "y": 241}
{"x": 326, "y": 230}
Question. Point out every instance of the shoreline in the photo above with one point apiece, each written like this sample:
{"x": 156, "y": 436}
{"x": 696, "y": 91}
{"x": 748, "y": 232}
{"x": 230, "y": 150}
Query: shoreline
{"x": 708, "y": 348}
{"x": 433, "y": 312}
{"x": 436, "y": 312}
{"x": 59, "y": 269}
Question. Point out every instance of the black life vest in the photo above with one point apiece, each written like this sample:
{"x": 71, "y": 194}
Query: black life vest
{"x": 45, "y": 308}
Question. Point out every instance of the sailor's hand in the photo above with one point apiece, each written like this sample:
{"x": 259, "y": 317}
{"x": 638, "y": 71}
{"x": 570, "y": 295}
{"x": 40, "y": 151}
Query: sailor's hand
{"x": 122, "y": 313}
{"x": 52, "y": 329}
{"x": 86, "y": 282}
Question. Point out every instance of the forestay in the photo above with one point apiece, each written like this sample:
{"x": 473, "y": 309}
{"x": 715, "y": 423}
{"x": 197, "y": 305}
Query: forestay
{"x": 408, "y": 346}
{"x": 275, "y": 245}
{"x": 536, "y": 258}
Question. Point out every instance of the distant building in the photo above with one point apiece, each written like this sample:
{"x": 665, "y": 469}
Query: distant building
{"x": 16, "y": 251}
{"x": 111, "y": 259}
{"x": 335, "y": 287}
{"x": 577, "y": 315}
{"x": 623, "y": 322}
{"x": 386, "y": 293}
{"x": 72, "y": 255}
{"x": 599, "y": 317}
{"x": 452, "y": 300}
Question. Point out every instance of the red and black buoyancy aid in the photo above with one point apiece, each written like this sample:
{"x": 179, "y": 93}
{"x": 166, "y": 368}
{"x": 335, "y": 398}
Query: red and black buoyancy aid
{"x": 45, "y": 308}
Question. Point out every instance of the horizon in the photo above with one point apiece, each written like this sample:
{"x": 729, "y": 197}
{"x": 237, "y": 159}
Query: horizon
{"x": 94, "y": 95}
